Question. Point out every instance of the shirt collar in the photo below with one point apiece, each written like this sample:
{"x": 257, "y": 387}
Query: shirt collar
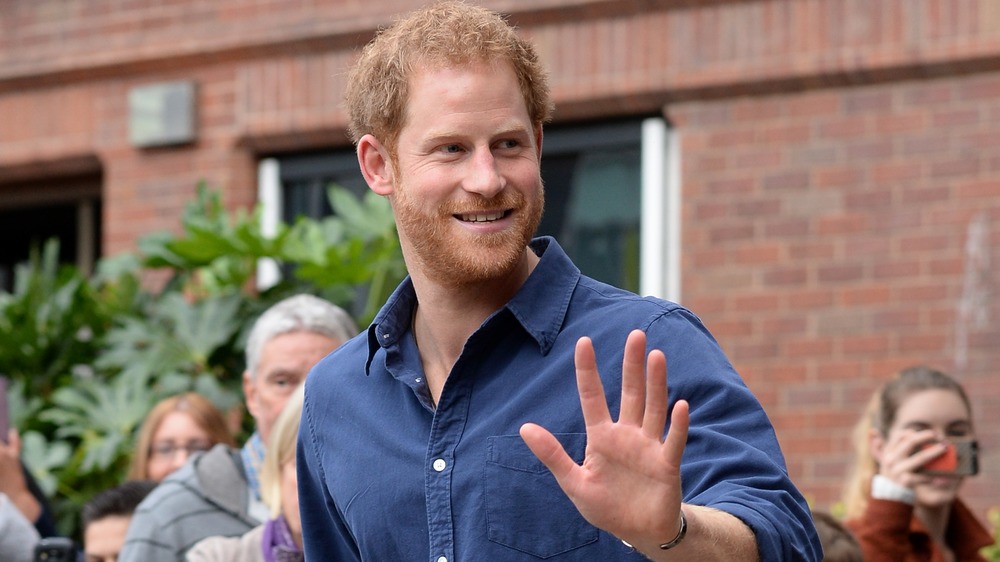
{"x": 539, "y": 305}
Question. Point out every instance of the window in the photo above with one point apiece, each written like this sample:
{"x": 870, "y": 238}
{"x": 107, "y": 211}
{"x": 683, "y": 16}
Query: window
{"x": 32, "y": 212}
{"x": 592, "y": 176}
{"x": 608, "y": 196}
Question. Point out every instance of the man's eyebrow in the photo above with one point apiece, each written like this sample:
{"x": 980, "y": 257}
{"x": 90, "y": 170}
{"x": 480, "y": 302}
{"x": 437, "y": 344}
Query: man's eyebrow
{"x": 280, "y": 371}
{"x": 512, "y": 129}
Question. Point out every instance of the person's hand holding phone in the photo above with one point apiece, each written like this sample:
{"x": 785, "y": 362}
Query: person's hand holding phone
{"x": 4, "y": 412}
{"x": 12, "y": 482}
{"x": 898, "y": 461}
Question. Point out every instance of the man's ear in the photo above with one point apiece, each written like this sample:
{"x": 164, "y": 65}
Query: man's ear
{"x": 376, "y": 166}
{"x": 538, "y": 142}
{"x": 250, "y": 394}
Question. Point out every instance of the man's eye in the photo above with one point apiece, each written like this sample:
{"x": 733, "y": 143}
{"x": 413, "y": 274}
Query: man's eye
{"x": 510, "y": 143}
{"x": 451, "y": 148}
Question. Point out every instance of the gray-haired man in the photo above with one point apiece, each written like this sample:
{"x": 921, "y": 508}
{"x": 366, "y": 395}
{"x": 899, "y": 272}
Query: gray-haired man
{"x": 217, "y": 493}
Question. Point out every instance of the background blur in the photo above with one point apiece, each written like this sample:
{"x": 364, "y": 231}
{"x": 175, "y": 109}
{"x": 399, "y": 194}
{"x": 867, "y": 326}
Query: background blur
{"x": 819, "y": 180}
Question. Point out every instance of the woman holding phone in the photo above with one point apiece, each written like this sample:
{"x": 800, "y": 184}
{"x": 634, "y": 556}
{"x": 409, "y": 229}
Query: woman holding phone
{"x": 915, "y": 446}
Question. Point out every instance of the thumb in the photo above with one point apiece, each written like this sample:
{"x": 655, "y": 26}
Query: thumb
{"x": 549, "y": 450}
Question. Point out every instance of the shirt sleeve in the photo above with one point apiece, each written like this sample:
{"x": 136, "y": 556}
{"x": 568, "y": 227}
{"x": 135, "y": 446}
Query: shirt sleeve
{"x": 732, "y": 461}
{"x": 324, "y": 534}
{"x": 17, "y": 535}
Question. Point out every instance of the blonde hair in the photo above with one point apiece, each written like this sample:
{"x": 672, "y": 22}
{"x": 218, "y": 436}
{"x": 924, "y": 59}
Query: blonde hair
{"x": 443, "y": 33}
{"x": 201, "y": 410}
{"x": 879, "y": 415}
{"x": 280, "y": 450}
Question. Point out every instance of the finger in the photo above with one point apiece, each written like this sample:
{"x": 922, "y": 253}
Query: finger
{"x": 633, "y": 379}
{"x": 927, "y": 454}
{"x": 550, "y": 451}
{"x": 903, "y": 447}
{"x": 655, "y": 417}
{"x": 680, "y": 420}
{"x": 588, "y": 384}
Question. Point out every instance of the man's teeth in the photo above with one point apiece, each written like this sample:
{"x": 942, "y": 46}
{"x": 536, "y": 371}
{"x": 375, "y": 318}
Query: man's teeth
{"x": 484, "y": 217}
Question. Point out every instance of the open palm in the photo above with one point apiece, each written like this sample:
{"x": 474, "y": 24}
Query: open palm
{"x": 629, "y": 483}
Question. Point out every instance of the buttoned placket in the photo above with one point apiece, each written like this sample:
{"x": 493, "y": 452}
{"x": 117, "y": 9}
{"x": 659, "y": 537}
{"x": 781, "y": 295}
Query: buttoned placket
{"x": 446, "y": 432}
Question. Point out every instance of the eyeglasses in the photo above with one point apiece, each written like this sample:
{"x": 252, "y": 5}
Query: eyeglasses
{"x": 169, "y": 450}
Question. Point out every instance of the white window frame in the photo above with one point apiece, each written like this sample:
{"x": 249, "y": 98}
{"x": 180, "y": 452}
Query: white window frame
{"x": 660, "y": 218}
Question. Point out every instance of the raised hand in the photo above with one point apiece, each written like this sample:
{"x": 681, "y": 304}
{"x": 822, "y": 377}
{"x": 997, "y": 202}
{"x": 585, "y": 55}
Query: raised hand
{"x": 899, "y": 458}
{"x": 629, "y": 483}
{"x": 12, "y": 482}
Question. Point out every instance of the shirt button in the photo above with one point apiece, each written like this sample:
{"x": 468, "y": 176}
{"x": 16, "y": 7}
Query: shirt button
{"x": 442, "y": 559}
{"x": 439, "y": 465}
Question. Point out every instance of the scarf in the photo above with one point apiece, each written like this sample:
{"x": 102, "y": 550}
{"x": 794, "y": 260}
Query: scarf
{"x": 278, "y": 544}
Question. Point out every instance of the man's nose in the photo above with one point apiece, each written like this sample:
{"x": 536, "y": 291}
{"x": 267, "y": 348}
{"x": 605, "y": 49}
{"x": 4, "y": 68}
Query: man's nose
{"x": 485, "y": 177}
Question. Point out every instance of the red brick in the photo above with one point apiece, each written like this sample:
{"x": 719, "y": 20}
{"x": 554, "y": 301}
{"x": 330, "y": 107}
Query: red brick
{"x": 781, "y": 276}
{"x": 757, "y": 254}
{"x": 866, "y": 295}
{"x": 921, "y": 343}
{"x": 786, "y": 228}
{"x": 865, "y": 345}
{"x": 787, "y": 181}
{"x": 840, "y": 370}
{"x": 896, "y": 269}
{"x": 813, "y": 298}
{"x": 812, "y": 348}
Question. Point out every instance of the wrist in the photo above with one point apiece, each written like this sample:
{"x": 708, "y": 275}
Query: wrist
{"x": 681, "y": 533}
{"x": 27, "y": 504}
{"x": 682, "y": 528}
{"x": 885, "y": 489}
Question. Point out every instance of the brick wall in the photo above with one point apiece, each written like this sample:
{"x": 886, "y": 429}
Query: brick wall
{"x": 831, "y": 238}
{"x": 841, "y": 166}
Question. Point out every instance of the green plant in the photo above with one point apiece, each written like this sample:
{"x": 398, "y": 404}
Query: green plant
{"x": 88, "y": 357}
{"x": 352, "y": 258}
{"x": 992, "y": 553}
{"x": 49, "y": 322}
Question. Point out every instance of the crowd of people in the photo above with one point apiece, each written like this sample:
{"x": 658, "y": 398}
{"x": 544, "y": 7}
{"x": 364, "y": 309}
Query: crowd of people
{"x": 501, "y": 405}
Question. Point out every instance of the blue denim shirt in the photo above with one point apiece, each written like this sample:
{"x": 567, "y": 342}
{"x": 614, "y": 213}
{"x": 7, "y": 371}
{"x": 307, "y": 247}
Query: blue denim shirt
{"x": 384, "y": 476}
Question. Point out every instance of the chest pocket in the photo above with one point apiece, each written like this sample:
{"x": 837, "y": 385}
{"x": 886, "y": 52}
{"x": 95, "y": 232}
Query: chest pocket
{"x": 525, "y": 508}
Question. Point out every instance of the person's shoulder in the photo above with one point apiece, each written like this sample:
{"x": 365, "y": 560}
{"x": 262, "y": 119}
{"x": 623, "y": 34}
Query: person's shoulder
{"x": 600, "y": 294}
{"x": 243, "y": 548}
{"x": 180, "y": 490}
{"x": 349, "y": 356}
{"x": 215, "y": 549}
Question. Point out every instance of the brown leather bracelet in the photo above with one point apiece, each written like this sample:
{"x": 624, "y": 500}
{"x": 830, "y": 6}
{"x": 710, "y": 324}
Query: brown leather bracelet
{"x": 680, "y": 534}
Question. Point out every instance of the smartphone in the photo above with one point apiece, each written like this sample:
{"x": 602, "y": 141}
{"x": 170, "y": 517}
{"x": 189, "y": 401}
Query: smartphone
{"x": 55, "y": 549}
{"x": 961, "y": 458}
{"x": 4, "y": 412}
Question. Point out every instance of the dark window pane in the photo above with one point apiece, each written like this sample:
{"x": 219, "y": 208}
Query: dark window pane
{"x": 32, "y": 213}
{"x": 592, "y": 193}
{"x": 593, "y": 189}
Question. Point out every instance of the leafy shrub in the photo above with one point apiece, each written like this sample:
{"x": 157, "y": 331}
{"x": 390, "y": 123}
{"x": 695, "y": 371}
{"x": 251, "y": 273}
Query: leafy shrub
{"x": 88, "y": 357}
{"x": 992, "y": 553}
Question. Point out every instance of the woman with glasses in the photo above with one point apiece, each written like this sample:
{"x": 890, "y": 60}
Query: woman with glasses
{"x": 174, "y": 429}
